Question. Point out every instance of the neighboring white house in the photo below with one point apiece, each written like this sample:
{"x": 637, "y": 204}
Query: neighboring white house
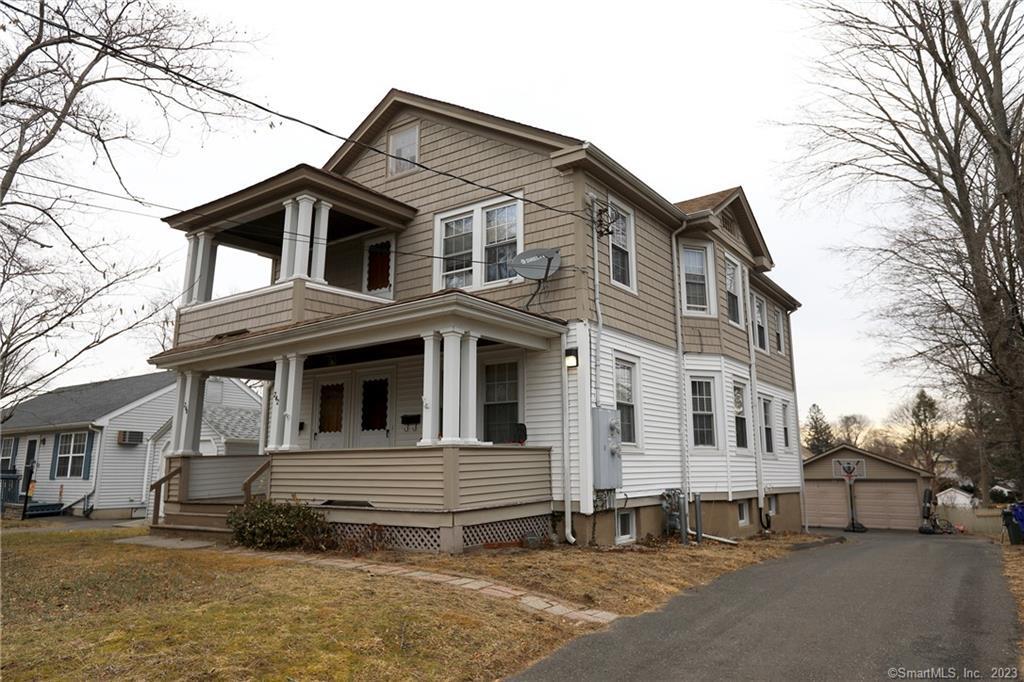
{"x": 954, "y": 497}
{"x": 89, "y": 443}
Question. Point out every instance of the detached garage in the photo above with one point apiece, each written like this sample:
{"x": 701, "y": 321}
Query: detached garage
{"x": 887, "y": 494}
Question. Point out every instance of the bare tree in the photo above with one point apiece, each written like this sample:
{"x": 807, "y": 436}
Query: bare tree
{"x": 928, "y": 430}
{"x": 851, "y": 428}
{"x": 69, "y": 71}
{"x": 927, "y": 99}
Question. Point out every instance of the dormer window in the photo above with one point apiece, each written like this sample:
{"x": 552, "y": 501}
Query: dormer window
{"x": 403, "y": 149}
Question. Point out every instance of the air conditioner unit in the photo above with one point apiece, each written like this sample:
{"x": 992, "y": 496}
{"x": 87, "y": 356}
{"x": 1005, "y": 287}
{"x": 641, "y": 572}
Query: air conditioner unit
{"x": 129, "y": 437}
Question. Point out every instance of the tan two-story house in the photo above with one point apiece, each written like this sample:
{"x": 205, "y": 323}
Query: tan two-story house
{"x": 414, "y": 379}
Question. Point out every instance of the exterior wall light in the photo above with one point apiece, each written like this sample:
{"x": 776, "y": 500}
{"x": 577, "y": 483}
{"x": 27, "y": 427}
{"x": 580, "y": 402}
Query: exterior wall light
{"x": 572, "y": 357}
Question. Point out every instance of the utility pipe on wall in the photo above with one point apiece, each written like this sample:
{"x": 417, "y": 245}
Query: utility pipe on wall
{"x": 566, "y": 459}
{"x": 684, "y": 460}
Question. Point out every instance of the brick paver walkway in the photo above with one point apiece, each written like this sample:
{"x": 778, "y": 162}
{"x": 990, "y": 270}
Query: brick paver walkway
{"x": 531, "y": 601}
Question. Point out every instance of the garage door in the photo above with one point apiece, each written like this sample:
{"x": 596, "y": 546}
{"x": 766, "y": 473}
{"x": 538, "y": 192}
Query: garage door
{"x": 887, "y": 504}
{"x": 827, "y": 504}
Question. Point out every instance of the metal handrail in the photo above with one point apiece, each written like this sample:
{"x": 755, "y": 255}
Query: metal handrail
{"x": 247, "y": 484}
{"x": 158, "y": 496}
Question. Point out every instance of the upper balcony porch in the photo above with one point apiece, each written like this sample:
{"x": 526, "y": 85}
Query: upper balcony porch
{"x": 331, "y": 243}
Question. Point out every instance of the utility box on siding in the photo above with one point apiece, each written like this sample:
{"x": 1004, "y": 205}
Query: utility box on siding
{"x": 607, "y": 448}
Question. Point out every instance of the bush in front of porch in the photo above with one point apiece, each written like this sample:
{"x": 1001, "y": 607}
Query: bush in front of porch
{"x": 262, "y": 524}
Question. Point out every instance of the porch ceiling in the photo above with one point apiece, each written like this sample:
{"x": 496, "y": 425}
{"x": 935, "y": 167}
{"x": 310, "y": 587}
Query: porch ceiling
{"x": 390, "y": 328}
{"x": 264, "y": 198}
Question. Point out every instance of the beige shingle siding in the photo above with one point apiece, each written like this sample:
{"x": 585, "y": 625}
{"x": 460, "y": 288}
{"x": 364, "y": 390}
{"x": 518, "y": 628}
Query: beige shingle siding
{"x": 263, "y": 311}
{"x": 449, "y": 147}
{"x": 774, "y": 367}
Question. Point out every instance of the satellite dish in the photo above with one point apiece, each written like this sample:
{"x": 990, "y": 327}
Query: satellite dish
{"x": 538, "y": 264}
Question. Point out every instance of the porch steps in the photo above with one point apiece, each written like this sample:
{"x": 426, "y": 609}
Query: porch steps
{"x": 187, "y": 532}
{"x": 196, "y": 519}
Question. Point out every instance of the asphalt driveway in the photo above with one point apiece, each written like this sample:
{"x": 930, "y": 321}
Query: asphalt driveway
{"x": 883, "y": 600}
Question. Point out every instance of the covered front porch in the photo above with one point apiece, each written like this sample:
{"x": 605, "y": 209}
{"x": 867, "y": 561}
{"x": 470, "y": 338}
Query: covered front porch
{"x": 430, "y": 414}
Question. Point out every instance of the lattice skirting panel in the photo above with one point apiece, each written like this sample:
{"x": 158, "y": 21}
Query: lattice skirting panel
{"x": 512, "y": 530}
{"x": 397, "y": 537}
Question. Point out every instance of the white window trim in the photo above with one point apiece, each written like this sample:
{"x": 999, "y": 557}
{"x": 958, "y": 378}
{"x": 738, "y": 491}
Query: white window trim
{"x": 773, "y": 504}
{"x": 784, "y": 417}
{"x": 388, "y": 159}
{"x": 739, "y": 278}
{"x": 477, "y": 210}
{"x": 633, "y": 275}
{"x": 10, "y": 458}
{"x": 767, "y": 329}
{"x": 499, "y": 357}
{"x": 780, "y": 325}
{"x": 717, "y": 404}
{"x": 748, "y": 450}
{"x": 710, "y": 270}
{"x": 71, "y": 455}
{"x": 638, "y": 397}
{"x": 389, "y": 293}
{"x": 771, "y": 423}
{"x": 743, "y": 512}
{"x": 625, "y": 539}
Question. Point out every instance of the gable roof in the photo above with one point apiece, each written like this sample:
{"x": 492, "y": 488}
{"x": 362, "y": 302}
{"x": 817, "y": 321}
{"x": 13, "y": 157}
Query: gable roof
{"x": 84, "y": 403}
{"x": 233, "y": 423}
{"x": 866, "y": 453}
{"x": 396, "y": 100}
{"x": 708, "y": 208}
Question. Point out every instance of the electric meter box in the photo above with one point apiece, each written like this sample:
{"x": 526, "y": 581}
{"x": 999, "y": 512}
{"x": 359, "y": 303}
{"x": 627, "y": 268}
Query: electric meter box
{"x": 607, "y": 448}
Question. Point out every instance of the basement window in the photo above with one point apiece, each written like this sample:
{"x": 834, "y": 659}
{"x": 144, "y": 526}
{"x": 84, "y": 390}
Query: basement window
{"x": 625, "y": 526}
{"x": 743, "y": 512}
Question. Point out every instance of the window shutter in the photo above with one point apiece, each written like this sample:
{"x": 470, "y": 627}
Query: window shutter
{"x": 87, "y": 464}
{"x": 14, "y": 453}
{"x": 53, "y": 459}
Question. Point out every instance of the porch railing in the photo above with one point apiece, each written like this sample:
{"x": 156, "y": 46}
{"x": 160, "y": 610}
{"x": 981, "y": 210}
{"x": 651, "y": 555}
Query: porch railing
{"x": 416, "y": 478}
{"x": 267, "y": 307}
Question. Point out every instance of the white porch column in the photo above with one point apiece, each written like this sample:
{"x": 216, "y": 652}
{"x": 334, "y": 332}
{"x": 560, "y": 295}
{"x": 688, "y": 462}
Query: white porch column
{"x": 278, "y": 396}
{"x": 469, "y": 408}
{"x": 431, "y": 386}
{"x": 452, "y": 386}
{"x": 288, "y": 240}
{"x": 301, "y": 236}
{"x": 188, "y": 289}
{"x": 178, "y": 418}
{"x": 195, "y": 385}
{"x": 206, "y": 254}
{"x": 323, "y": 212}
{"x": 264, "y": 417}
{"x": 293, "y": 403}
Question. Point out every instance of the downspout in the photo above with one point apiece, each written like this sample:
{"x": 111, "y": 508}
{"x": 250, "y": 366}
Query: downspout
{"x": 684, "y": 451}
{"x": 796, "y": 409}
{"x": 566, "y": 455}
{"x": 98, "y": 445}
{"x": 756, "y": 412}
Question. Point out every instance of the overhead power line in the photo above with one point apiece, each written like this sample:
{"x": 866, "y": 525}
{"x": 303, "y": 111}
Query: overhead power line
{"x": 128, "y": 57}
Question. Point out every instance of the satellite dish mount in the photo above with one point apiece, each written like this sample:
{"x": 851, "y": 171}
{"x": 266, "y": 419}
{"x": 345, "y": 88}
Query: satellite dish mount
{"x": 538, "y": 265}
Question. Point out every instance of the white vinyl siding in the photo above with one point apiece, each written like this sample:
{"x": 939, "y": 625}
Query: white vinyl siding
{"x": 475, "y": 244}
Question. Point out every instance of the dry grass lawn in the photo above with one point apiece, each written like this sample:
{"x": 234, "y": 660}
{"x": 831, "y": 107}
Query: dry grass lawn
{"x": 1013, "y": 568}
{"x": 627, "y": 580}
{"x": 75, "y": 605}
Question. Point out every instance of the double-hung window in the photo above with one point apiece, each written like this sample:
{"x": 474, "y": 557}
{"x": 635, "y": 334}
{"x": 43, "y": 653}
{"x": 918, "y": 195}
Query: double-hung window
{"x": 739, "y": 400}
{"x": 403, "y": 148}
{"x": 625, "y": 398}
{"x": 780, "y": 331}
{"x": 477, "y": 243}
{"x": 760, "y": 323}
{"x": 501, "y": 402}
{"x": 785, "y": 425}
{"x": 766, "y": 412}
{"x": 702, "y": 405}
{"x": 695, "y": 279}
{"x": 71, "y": 455}
{"x": 733, "y": 287}
{"x": 623, "y": 240}
{"x": 6, "y": 453}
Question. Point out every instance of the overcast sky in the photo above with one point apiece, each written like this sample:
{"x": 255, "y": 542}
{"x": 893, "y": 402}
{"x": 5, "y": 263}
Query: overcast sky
{"x": 685, "y": 96}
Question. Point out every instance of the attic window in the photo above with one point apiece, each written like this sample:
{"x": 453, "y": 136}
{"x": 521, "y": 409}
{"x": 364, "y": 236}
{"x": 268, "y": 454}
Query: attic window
{"x": 403, "y": 149}
{"x": 730, "y": 223}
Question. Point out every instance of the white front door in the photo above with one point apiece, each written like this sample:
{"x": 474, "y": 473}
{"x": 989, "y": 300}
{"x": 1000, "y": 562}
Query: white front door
{"x": 330, "y": 418}
{"x": 374, "y": 418}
